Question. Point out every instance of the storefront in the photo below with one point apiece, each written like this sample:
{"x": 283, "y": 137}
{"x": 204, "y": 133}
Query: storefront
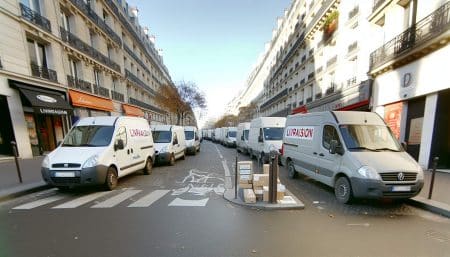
{"x": 86, "y": 105}
{"x": 46, "y": 114}
{"x": 131, "y": 110}
{"x": 6, "y": 129}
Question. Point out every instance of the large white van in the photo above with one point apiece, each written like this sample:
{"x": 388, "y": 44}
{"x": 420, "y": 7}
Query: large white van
{"x": 353, "y": 152}
{"x": 243, "y": 130}
{"x": 266, "y": 135}
{"x": 99, "y": 150}
{"x": 217, "y": 135}
{"x": 170, "y": 143}
{"x": 230, "y": 137}
{"x": 192, "y": 140}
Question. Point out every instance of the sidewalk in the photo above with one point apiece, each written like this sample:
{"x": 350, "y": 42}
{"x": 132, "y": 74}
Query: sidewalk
{"x": 31, "y": 176}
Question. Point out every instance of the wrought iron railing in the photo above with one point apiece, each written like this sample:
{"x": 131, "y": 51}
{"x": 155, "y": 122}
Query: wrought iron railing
{"x": 309, "y": 99}
{"x": 423, "y": 31}
{"x": 302, "y": 82}
{"x": 351, "y": 81}
{"x": 117, "y": 96}
{"x": 86, "y": 10}
{"x": 80, "y": 84}
{"x": 133, "y": 78}
{"x": 103, "y": 91}
{"x": 311, "y": 75}
{"x": 135, "y": 57}
{"x": 35, "y": 18}
{"x": 43, "y": 72}
{"x": 331, "y": 89}
{"x": 319, "y": 95}
{"x": 77, "y": 43}
{"x": 145, "y": 105}
{"x": 275, "y": 98}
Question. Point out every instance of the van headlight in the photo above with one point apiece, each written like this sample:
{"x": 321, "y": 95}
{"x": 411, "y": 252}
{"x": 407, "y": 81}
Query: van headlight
{"x": 369, "y": 172}
{"x": 91, "y": 162}
{"x": 46, "y": 162}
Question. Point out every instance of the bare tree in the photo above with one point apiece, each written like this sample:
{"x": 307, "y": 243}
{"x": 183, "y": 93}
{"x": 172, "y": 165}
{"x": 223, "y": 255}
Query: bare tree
{"x": 227, "y": 121}
{"x": 246, "y": 113}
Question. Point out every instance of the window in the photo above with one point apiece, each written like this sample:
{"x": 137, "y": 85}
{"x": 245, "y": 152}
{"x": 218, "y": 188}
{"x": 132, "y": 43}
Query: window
{"x": 92, "y": 38}
{"x": 33, "y": 5}
{"x": 329, "y": 133}
{"x": 97, "y": 77}
{"x": 37, "y": 53}
{"x": 89, "y": 136}
{"x": 73, "y": 68}
{"x": 121, "y": 134}
{"x": 64, "y": 21}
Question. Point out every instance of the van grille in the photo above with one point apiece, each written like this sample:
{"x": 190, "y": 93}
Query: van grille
{"x": 75, "y": 180}
{"x": 63, "y": 165}
{"x": 393, "y": 176}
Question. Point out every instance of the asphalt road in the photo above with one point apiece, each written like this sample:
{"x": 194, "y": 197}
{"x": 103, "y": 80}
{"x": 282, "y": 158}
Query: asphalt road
{"x": 180, "y": 211}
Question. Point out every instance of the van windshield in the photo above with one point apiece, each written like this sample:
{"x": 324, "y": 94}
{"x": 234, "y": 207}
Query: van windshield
{"x": 246, "y": 134}
{"x": 231, "y": 133}
{"x": 369, "y": 138}
{"x": 162, "y": 136}
{"x": 273, "y": 133}
{"x": 189, "y": 135}
{"x": 90, "y": 136}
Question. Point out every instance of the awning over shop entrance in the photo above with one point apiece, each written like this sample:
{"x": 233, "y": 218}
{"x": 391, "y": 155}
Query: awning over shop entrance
{"x": 44, "y": 101}
{"x": 132, "y": 111}
{"x": 89, "y": 101}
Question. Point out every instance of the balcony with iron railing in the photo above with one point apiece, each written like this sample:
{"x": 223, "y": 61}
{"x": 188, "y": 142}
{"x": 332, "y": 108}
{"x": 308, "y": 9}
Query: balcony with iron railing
{"x": 117, "y": 96}
{"x": 319, "y": 95}
{"x": 135, "y": 57}
{"x": 35, "y": 18}
{"x": 331, "y": 89}
{"x": 78, "y": 44}
{"x": 277, "y": 97}
{"x": 43, "y": 72}
{"x": 308, "y": 100}
{"x": 423, "y": 32}
{"x": 311, "y": 75}
{"x": 351, "y": 81}
{"x": 133, "y": 78}
{"x": 145, "y": 105}
{"x": 86, "y": 10}
{"x": 80, "y": 84}
{"x": 102, "y": 91}
{"x": 302, "y": 82}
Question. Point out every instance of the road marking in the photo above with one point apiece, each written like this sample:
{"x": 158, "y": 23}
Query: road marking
{"x": 38, "y": 203}
{"x": 227, "y": 174}
{"x": 81, "y": 200}
{"x": 220, "y": 154}
{"x": 189, "y": 203}
{"x": 149, "y": 199}
{"x": 115, "y": 200}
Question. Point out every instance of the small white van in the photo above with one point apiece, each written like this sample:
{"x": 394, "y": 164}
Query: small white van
{"x": 266, "y": 135}
{"x": 353, "y": 152}
{"x": 170, "y": 143}
{"x": 99, "y": 150}
{"x": 230, "y": 137}
{"x": 192, "y": 140}
{"x": 243, "y": 130}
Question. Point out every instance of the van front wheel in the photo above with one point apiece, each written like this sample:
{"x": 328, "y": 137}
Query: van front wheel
{"x": 291, "y": 170}
{"x": 343, "y": 190}
{"x": 111, "y": 179}
{"x": 148, "y": 166}
{"x": 172, "y": 160}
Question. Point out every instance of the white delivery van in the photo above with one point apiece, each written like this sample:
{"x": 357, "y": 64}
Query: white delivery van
{"x": 192, "y": 140}
{"x": 223, "y": 132}
{"x": 170, "y": 143}
{"x": 216, "y": 136}
{"x": 266, "y": 134}
{"x": 99, "y": 150}
{"x": 353, "y": 152}
{"x": 243, "y": 130}
{"x": 230, "y": 137}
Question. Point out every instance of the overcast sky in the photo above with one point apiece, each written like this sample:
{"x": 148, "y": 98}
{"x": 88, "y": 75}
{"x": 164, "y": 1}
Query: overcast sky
{"x": 213, "y": 43}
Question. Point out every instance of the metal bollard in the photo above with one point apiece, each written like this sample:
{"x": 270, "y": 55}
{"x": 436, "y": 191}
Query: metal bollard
{"x": 16, "y": 154}
{"x": 435, "y": 162}
{"x": 273, "y": 175}
{"x": 236, "y": 178}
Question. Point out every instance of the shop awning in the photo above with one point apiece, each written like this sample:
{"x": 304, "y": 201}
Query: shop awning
{"x": 89, "y": 101}
{"x": 132, "y": 111}
{"x": 301, "y": 109}
{"x": 44, "y": 101}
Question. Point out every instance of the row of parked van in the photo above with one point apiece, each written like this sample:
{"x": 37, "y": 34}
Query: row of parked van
{"x": 99, "y": 150}
{"x": 353, "y": 152}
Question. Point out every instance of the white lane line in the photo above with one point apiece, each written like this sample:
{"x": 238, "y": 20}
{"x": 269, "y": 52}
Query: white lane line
{"x": 115, "y": 200}
{"x": 189, "y": 203}
{"x": 218, "y": 151}
{"x": 81, "y": 200}
{"x": 149, "y": 199}
{"x": 38, "y": 203}
{"x": 227, "y": 174}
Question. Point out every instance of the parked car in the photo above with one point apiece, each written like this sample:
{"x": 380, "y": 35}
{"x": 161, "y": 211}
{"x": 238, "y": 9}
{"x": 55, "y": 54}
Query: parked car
{"x": 353, "y": 152}
{"x": 265, "y": 136}
{"x": 98, "y": 151}
{"x": 192, "y": 140}
{"x": 170, "y": 143}
{"x": 243, "y": 130}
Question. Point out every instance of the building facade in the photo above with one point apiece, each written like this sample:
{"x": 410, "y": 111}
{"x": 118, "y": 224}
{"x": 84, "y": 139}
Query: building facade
{"x": 67, "y": 59}
{"x": 411, "y": 88}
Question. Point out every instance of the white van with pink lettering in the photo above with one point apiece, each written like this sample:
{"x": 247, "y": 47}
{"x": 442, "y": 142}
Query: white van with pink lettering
{"x": 99, "y": 150}
{"x": 353, "y": 152}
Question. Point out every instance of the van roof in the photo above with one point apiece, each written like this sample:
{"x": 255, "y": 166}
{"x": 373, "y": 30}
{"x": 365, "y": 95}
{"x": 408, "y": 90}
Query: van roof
{"x": 355, "y": 117}
{"x": 163, "y": 127}
{"x": 189, "y": 128}
{"x": 99, "y": 121}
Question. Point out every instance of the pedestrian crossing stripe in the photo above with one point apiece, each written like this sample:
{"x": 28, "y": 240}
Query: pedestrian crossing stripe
{"x": 81, "y": 200}
{"x": 147, "y": 200}
{"x": 190, "y": 203}
{"x": 115, "y": 200}
{"x": 39, "y": 202}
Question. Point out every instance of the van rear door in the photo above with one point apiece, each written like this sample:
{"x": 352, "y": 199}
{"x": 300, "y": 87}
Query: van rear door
{"x": 328, "y": 164}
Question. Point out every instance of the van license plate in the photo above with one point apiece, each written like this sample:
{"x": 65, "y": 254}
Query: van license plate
{"x": 64, "y": 174}
{"x": 401, "y": 188}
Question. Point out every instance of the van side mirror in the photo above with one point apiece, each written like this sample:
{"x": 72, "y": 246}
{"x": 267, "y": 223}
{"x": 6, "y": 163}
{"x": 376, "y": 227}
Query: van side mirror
{"x": 336, "y": 148}
{"x": 119, "y": 145}
{"x": 242, "y": 137}
{"x": 59, "y": 143}
{"x": 405, "y": 146}
{"x": 260, "y": 139}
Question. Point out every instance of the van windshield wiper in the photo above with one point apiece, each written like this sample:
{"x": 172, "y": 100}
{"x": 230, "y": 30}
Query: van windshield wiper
{"x": 69, "y": 145}
{"x": 87, "y": 144}
{"x": 387, "y": 149}
{"x": 363, "y": 148}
